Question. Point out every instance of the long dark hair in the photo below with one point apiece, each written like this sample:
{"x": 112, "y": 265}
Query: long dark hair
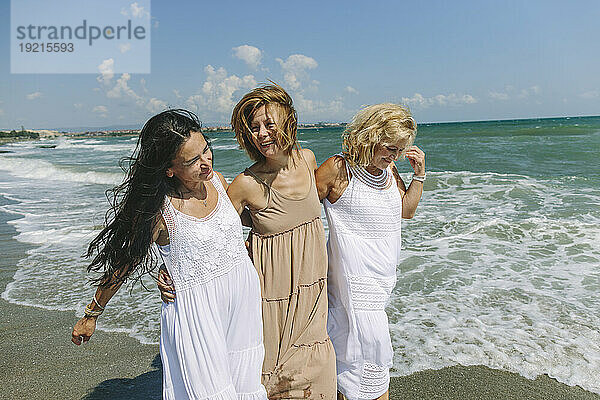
{"x": 123, "y": 246}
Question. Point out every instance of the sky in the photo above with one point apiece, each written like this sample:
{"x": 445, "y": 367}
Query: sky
{"x": 447, "y": 61}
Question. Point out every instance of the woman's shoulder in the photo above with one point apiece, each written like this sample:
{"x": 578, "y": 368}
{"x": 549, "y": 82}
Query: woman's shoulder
{"x": 247, "y": 189}
{"x": 332, "y": 178}
{"x": 222, "y": 179}
{"x": 309, "y": 156}
{"x": 333, "y": 165}
{"x": 248, "y": 180}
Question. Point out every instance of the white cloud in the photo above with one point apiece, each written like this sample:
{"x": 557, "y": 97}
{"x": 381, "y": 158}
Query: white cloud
{"x": 135, "y": 10}
{"x": 317, "y": 108}
{"x": 106, "y": 69}
{"x": 78, "y": 106}
{"x": 451, "y": 99}
{"x": 177, "y": 93}
{"x": 218, "y": 90}
{"x": 143, "y": 85}
{"x": 499, "y": 95}
{"x": 304, "y": 105}
{"x": 124, "y": 48}
{"x": 249, "y": 54}
{"x": 294, "y": 69}
{"x": 592, "y": 94}
{"x": 102, "y": 110}
{"x": 155, "y": 24}
{"x": 122, "y": 88}
{"x": 510, "y": 92}
{"x": 155, "y": 105}
{"x": 351, "y": 90}
{"x": 34, "y": 95}
{"x": 531, "y": 91}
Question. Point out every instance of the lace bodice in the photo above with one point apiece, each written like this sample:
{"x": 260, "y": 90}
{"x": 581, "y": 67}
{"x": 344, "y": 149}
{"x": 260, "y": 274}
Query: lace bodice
{"x": 366, "y": 211}
{"x": 203, "y": 248}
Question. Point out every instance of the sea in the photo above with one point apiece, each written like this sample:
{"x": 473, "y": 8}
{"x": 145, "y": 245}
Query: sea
{"x": 501, "y": 262}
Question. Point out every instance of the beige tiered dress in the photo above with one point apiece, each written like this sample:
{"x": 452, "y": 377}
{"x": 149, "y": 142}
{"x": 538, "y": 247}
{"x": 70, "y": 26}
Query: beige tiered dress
{"x": 290, "y": 255}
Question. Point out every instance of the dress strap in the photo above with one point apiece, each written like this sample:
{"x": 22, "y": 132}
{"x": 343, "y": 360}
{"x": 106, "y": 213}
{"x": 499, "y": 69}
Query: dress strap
{"x": 310, "y": 172}
{"x": 216, "y": 182}
{"x": 346, "y": 165}
{"x": 252, "y": 174}
{"x": 257, "y": 178}
{"x": 168, "y": 212}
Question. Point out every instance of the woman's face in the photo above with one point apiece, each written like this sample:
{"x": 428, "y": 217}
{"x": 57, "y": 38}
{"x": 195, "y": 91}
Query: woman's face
{"x": 386, "y": 153}
{"x": 264, "y": 132}
{"x": 193, "y": 162}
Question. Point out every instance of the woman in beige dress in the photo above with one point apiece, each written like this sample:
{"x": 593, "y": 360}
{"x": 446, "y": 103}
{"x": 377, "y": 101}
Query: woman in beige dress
{"x": 277, "y": 197}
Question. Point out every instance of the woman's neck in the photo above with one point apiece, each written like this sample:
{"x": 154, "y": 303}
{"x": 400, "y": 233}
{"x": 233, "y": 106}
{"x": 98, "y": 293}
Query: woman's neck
{"x": 283, "y": 161}
{"x": 373, "y": 170}
{"x": 197, "y": 190}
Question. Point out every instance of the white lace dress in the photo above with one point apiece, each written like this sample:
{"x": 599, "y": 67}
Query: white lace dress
{"x": 211, "y": 340}
{"x": 363, "y": 250}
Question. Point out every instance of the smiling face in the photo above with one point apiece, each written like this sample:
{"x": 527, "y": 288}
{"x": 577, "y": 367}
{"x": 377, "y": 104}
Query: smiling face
{"x": 264, "y": 131}
{"x": 386, "y": 153}
{"x": 193, "y": 162}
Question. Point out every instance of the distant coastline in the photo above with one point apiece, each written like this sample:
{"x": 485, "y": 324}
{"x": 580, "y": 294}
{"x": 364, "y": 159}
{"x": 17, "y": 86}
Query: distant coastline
{"x": 32, "y": 134}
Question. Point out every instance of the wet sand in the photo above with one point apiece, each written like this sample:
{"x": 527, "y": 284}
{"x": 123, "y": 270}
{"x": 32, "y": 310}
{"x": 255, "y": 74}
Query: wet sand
{"x": 38, "y": 360}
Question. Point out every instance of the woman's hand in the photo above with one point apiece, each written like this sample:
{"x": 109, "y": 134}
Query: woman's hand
{"x": 416, "y": 158}
{"x": 165, "y": 285}
{"x": 248, "y": 244}
{"x": 83, "y": 330}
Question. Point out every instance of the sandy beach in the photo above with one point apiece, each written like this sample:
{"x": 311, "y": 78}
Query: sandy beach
{"x": 38, "y": 361}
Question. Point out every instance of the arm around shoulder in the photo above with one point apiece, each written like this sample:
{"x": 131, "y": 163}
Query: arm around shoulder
{"x": 223, "y": 181}
{"x": 330, "y": 174}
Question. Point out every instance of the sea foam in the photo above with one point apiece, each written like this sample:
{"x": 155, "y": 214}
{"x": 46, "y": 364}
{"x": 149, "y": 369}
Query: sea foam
{"x": 499, "y": 269}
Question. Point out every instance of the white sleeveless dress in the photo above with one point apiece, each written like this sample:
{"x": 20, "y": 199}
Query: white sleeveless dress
{"x": 211, "y": 340}
{"x": 363, "y": 250}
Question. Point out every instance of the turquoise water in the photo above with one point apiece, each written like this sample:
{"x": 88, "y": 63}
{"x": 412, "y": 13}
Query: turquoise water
{"x": 501, "y": 263}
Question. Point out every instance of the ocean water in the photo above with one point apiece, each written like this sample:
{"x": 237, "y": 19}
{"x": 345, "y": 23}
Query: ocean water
{"x": 502, "y": 260}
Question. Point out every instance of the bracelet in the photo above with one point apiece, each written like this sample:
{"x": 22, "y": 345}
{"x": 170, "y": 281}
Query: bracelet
{"x": 419, "y": 178}
{"x": 88, "y": 312}
{"x": 98, "y": 304}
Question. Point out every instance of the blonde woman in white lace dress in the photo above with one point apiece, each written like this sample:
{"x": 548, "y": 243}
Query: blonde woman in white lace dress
{"x": 211, "y": 341}
{"x": 365, "y": 200}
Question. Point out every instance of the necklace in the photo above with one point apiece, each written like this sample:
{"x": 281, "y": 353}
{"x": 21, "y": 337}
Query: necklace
{"x": 381, "y": 181}
{"x": 204, "y": 200}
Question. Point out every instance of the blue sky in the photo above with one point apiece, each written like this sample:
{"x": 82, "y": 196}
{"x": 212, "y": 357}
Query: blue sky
{"x": 448, "y": 61}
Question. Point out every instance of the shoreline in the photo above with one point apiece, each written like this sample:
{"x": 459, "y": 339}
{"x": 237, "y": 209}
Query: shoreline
{"x": 4, "y": 139}
{"x": 38, "y": 360}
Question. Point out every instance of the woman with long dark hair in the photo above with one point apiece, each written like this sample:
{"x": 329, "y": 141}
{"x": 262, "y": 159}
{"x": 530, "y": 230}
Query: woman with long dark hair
{"x": 279, "y": 197}
{"x": 211, "y": 336}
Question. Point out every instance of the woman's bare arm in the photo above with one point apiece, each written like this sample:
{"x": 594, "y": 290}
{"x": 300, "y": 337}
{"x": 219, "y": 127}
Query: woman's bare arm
{"x": 85, "y": 327}
{"x": 331, "y": 178}
{"x": 412, "y": 195}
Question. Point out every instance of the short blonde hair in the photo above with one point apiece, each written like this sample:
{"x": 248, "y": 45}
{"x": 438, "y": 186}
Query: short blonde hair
{"x": 276, "y": 99}
{"x": 379, "y": 123}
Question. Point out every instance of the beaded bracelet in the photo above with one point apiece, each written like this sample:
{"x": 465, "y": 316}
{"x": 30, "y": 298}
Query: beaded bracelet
{"x": 419, "y": 178}
{"x": 98, "y": 304}
{"x": 88, "y": 312}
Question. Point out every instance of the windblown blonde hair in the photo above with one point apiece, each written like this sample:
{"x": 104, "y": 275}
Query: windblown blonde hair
{"x": 380, "y": 123}
{"x": 276, "y": 100}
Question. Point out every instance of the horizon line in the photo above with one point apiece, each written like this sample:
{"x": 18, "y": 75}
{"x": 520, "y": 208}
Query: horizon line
{"x": 345, "y": 122}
